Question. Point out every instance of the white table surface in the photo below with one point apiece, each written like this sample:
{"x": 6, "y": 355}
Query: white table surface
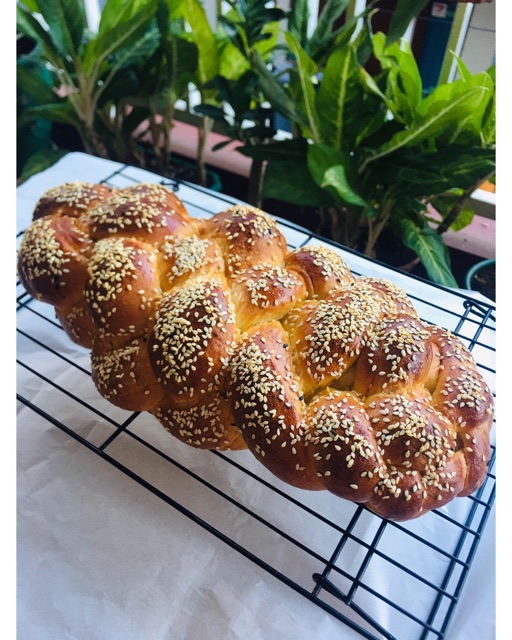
{"x": 101, "y": 557}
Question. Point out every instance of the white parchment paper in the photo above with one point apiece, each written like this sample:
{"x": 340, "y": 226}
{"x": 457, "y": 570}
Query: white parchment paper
{"x": 100, "y": 556}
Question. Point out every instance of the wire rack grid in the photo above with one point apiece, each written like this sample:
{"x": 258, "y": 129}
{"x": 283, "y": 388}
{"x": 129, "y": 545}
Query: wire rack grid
{"x": 351, "y": 565}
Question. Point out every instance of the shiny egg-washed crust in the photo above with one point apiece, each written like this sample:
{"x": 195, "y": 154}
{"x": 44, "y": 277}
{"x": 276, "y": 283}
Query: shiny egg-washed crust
{"x": 232, "y": 341}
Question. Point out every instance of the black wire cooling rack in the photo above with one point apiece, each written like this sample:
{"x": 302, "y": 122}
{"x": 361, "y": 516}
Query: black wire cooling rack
{"x": 344, "y": 575}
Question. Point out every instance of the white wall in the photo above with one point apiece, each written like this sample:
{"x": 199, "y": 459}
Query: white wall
{"x": 479, "y": 49}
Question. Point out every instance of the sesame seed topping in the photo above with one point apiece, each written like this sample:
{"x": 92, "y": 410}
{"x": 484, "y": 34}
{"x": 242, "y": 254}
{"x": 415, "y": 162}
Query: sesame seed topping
{"x": 333, "y": 380}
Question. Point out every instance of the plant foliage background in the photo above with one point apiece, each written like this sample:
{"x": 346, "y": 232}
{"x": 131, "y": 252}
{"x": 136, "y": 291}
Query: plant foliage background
{"x": 368, "y": 153}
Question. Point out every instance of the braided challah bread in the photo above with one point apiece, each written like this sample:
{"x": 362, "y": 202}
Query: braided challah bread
{"x": 232, "y": 341}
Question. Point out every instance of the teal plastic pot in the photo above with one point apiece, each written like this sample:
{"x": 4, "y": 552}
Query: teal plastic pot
{"x": 482, "y": 278}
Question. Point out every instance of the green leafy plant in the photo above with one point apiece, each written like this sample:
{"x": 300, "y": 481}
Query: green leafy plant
{"x": 251, "y": 28}
{"x": 372, "y": 154}
{"x": 34, "y": 137}
{"x": 208, "y": 65}
{"x": 161, "y": 80}
{"x": 238, "y": 106}
{"x": 328, "y": 34}
{"x": 88, "y": 70}
{"x": 117, "y": 88}
{"x": 404, "y": 12}
{"x": 369, "y": 154}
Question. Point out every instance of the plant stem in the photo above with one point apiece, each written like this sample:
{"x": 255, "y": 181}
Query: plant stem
{"x": 85, "y": 107}
{"x": 459, "y": 205}
{"x": 167, "y": 121}
{"x": 343, "y": 226}
{"x": 336, "y": 230}
{"x": 255, "y": 183}
{"x": 203, "y": 133}
{"x": 375, "y": 228}
{"x": 155, "y": 132}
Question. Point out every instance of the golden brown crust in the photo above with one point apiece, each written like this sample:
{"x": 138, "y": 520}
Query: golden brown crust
{"x": 207, "y": 426}
{"x": 149, "y": 212}
{"x": 329, "y": 336}
{"x": 71, "y": 199}
{"x": 398, "y": 356}
{"x": 122, "y": 288}
{"x": 247, "y": 237}
{"x": 78, "y": 324}
{"x": 417, "y": 445}
{"x": 322, "y": 270}
{"x": 188, "y": 257}
{"x": 232, "y": 341}
{"x": 342, "y": 445}
{"x": 53, "y": 258}
{"x": 125, "y": 377}
{"x": 264, "y": 293}
{"x": 269, "y": 405}
{"x": 191, "y": 340}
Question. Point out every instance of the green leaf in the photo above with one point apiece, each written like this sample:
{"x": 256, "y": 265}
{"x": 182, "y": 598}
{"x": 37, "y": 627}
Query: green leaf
{"x": 123, "y": 34}
{"x": 204, "y": 38}
{"x": 120, "y": 90}
{"x": 258, "y": 133}
{"x": 305, "y": 70}
{"x": 462, "y": 68}
{"x": 221, "y": 145}
{"x": 133, "y": 120}
{"x": 40, "y": 161}
{"x": 31, "y": 81}
{"x": 29, "y": 26}
{"x": 232, "y": 63}
{"x": 471, "y": 95}
{"x": 31, "y": 5}
{"x": 117, "y": 12}
{"x": 444, "y": 203}
{"x": 346, "y": 33}
{"x": 484, "y": 119}
{"x": 368, "y": 81}
{"x": 322, "y": 34}
{"x": 291, "y": 181}
{"x": 438, "y": 122}
{"x": 61, "y": 112}
{"x": 339, "y": 98}
{"x": 141, "y": 48}
{"x": 404, "y": 87}
{"x": 430, "y": 248}
{"x": 404, "y": 12}
{"x": 421, "y": 175}
{"x": 275, "y": 92}
{"x": 66, "y": 21}
{"x": 270, "y": 34}
{"x": 330, "y": 169}
{"x": 232, "y": 28}
{"x": 216, "y": 113}
{"x": 488, "y": 129}
{"x": 372, "y": 124}
{"x": 238, "y": 93}
{"x": 298, "y": 20}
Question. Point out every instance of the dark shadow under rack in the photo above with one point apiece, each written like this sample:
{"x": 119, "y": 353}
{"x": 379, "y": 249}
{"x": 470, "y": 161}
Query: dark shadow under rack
{"x": 330, "y": 587}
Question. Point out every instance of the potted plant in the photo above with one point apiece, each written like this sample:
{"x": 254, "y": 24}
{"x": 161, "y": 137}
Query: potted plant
{"x": 371, "y": 153}
{"x": 481, "y": 277}
{"x": 208, "y": 64}
{"x": 242, "y": 111}
{"x": 89, "y": 71}
{"x": 238, "y": 107}
{"x": 117, "y": 89}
